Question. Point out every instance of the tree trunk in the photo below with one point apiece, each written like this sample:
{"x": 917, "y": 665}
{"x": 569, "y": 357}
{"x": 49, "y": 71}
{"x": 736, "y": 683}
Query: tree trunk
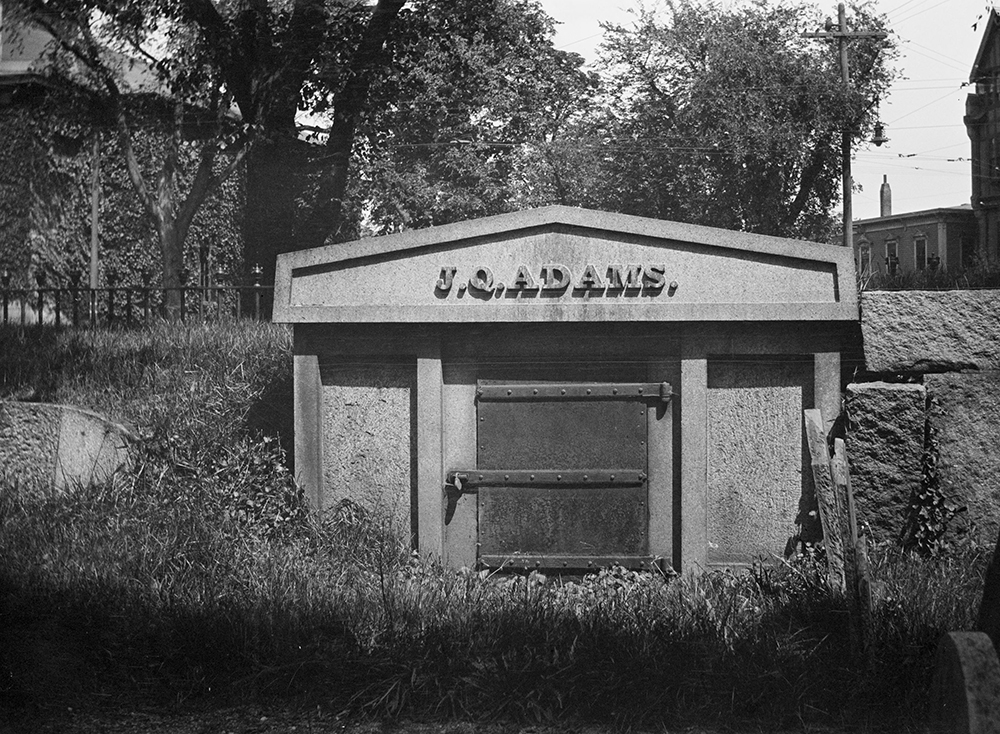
{"x": 172, "y": 257}
{"x": 276, "y": 177}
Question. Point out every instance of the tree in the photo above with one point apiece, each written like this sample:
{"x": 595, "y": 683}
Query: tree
{"x": 417, "y": 112}
{"x": 470, "y": 83}
{"x": 281, "y": 59}
{"x": 726, "y": 115}
{"x": 136, "y": 63}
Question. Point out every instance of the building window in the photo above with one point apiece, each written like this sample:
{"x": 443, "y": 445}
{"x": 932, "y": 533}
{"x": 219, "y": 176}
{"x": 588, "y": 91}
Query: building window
{"x": 865, "y": 259}
{"x": 891, "y": 256}
{"x": 920, "y": 253}
{"x": 968, "y": 247}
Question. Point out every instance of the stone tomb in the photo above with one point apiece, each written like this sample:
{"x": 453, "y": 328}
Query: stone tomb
{"x": 563, "y": 388}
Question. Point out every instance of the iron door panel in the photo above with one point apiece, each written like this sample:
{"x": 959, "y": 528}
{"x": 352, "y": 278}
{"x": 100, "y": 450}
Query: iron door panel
{"x": 548, "y": 434}
{"x": 572, "y": 521}
{"x": 575, "y": 520}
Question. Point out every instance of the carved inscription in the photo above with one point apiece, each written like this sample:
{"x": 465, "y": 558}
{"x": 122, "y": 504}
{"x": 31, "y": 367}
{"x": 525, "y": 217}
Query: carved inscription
{"x": 555, "y": 278}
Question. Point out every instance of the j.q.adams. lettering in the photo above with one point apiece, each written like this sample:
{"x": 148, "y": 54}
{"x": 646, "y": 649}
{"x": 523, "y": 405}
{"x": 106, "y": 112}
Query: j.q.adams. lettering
{"x": 557, "y": 278}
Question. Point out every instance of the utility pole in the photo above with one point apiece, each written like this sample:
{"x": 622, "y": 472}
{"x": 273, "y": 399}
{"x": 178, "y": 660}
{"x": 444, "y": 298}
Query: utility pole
{"x": 843, "y": 35}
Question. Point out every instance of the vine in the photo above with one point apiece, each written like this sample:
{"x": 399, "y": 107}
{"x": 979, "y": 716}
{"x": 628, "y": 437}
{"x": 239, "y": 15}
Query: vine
{"x": 930, "y": 511}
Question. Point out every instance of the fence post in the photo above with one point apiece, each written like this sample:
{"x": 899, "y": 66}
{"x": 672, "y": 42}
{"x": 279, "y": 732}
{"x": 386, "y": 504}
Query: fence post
{"x": 74, "y": 292}
{"x": 5, "y": 281}
{"x": 257, "y": 272}
{"x": 112, "y": 281}
{"x": 40, "y": 279}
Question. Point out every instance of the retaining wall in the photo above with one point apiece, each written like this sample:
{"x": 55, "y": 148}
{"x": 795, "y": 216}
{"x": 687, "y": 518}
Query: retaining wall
{"x": 932, "y": 390}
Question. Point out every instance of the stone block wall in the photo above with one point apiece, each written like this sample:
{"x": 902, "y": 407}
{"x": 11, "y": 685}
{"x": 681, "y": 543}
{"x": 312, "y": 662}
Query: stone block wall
{"x": 947, "y": 345}
{"x": 931, "y": 331}
{"x": 965, "y": 413}
{"x": 885, "y": 443}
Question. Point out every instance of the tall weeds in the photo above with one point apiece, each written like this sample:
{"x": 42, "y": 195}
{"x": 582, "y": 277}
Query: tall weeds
{"x": 201, "y": 576}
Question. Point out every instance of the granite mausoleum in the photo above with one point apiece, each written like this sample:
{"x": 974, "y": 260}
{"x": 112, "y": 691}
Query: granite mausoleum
{"x": 563, "y": 388}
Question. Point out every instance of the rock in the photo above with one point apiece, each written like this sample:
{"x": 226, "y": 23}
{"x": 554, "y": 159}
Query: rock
{"x": 965, "y": 413}
{"x": 965, "y": 692}
{"x": 60, "y": 446}
{"x": 885, "y": 445}
{"x": 931, "y": 331}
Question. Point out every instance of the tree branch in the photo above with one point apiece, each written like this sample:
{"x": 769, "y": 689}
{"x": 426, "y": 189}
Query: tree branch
{"x": 327, "y": 210}
{"x": 807, "y": 181}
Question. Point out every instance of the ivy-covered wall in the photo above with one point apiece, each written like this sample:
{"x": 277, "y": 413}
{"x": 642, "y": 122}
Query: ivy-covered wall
{"x": 47, "y": 154}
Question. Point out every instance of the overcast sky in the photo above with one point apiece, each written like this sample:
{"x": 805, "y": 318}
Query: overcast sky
{"x": 926, "y": 158}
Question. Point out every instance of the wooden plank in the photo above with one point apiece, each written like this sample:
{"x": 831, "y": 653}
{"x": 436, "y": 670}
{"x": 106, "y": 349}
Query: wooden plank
{"x": 826, "y": 497}
{"x": 859, "y": 581}
{"x": 849, "y": 533}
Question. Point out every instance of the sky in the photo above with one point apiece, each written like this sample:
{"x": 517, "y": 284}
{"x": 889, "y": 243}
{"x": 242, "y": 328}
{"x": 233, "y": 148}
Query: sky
{"x": 927, "y": 156}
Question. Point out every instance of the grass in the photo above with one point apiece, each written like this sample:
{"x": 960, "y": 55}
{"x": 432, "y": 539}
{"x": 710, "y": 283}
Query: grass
{"x": 976, "y": 276}
{"x": 200, "y": 578}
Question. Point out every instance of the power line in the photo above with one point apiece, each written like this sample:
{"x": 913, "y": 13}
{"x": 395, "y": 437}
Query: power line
{"x": 900, "y": 21}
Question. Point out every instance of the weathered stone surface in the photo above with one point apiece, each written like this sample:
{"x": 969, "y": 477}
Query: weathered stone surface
{"x": 965, "y": 693}
{"x": 755, "y": 457}
{"x": 29, "y": 441}
{"x": 965, "y": 412}
{"x": 885, "y": 444}
{"x": 931, "y": 331}
{"x": 60, "y": 446}
{"x": 563, "y": 264}
{"x": 367, "y": 440}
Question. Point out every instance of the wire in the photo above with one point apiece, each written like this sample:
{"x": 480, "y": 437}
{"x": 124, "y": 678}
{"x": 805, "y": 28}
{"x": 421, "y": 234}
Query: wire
{"x": 923, "y": 107}
{"x": 900, "y": 21}
{"x": 939, "y": 58}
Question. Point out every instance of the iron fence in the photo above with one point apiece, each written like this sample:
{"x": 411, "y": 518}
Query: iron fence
{"x": 129, "y": 305}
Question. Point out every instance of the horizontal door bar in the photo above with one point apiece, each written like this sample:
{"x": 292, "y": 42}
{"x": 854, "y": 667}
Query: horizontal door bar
{"x": 468, "y": 481}
{"x": 661, "y": 391}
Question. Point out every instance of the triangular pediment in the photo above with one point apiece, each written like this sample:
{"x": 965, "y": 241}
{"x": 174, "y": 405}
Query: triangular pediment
{"x": 566, "y": 264}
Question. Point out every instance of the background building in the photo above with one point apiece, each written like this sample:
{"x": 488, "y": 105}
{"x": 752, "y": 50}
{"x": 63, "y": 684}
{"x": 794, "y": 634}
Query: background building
{"x": 933, "y": 239}
{"x": 982, "y": 120}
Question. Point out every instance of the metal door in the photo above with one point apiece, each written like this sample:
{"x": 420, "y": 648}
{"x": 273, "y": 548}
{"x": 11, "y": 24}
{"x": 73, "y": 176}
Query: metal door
{"x": 561, "y": 473}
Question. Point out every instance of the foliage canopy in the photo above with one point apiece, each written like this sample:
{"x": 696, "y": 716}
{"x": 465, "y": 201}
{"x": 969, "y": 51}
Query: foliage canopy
{"x": 723, "y": 115}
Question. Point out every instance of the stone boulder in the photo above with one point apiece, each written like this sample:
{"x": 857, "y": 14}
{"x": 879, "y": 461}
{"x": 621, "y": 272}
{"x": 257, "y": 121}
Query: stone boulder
{"x": 931, "y": 331}
{"x": 60, "y": 446}
{"x": 965, "y": 413}
{"x": 885, "y": 446}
